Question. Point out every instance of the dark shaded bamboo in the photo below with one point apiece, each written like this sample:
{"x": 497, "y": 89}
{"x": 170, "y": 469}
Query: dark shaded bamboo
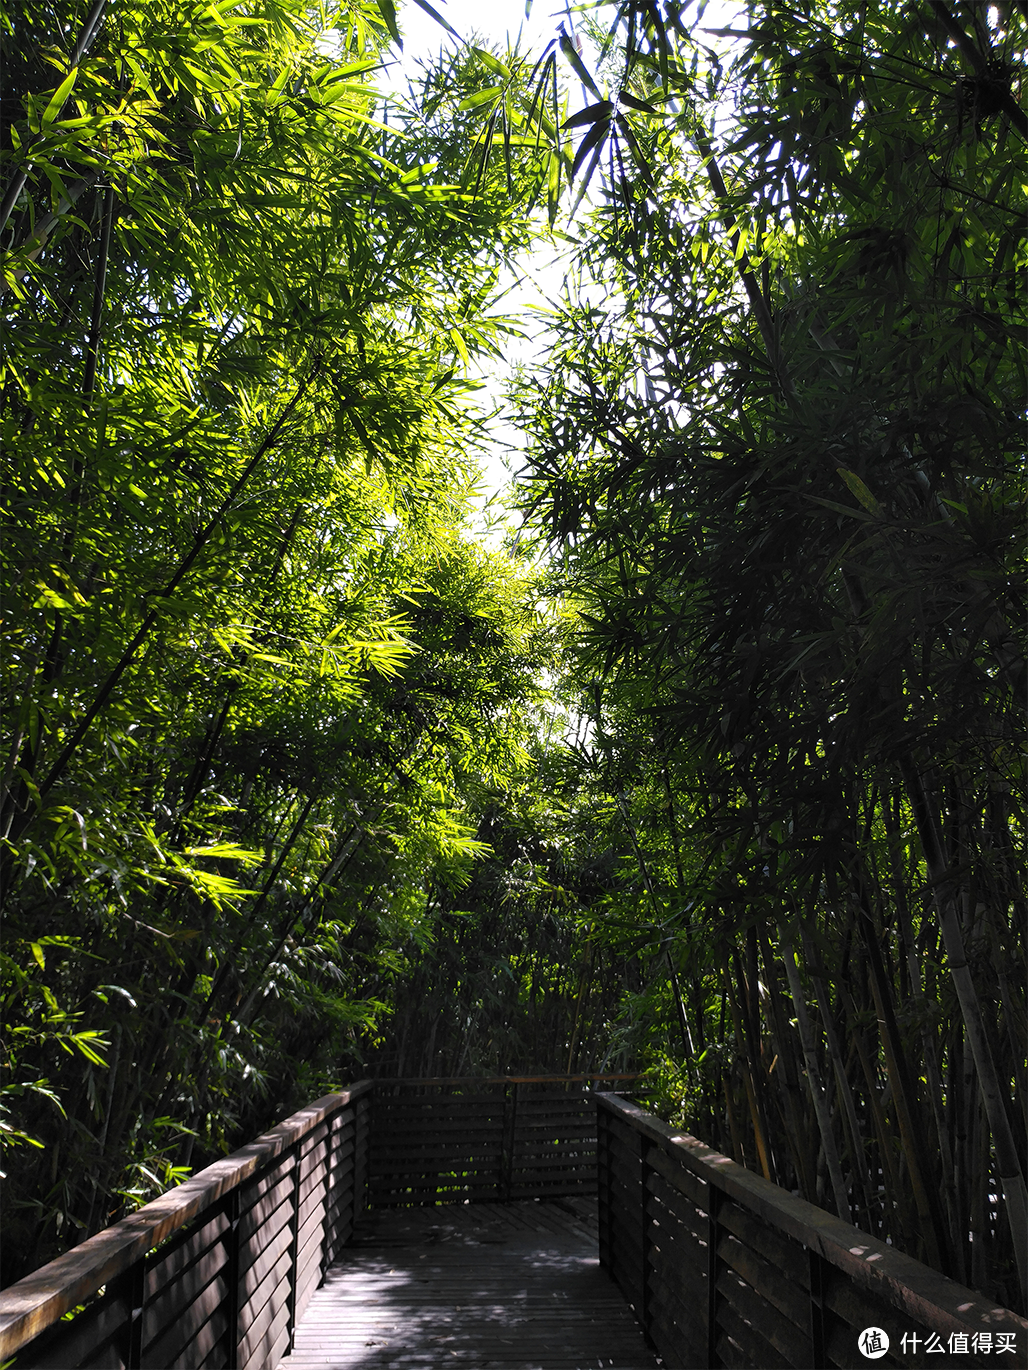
{"x": 817, "y": 1090}
{"x": 759, "y": 1136}
{"x": 858, "y": 1151}
{"x": 944, "y": 892}
{"x": 931, "y": 1231}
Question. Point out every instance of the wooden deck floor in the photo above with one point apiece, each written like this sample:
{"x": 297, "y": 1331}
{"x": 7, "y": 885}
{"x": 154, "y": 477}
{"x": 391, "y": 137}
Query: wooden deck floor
{"x": 486, "y": 1286}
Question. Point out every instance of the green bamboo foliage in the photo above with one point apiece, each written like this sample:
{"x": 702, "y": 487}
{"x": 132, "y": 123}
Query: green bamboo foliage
{"x": 257, "y": 674}
{"x": 780, "y": 465}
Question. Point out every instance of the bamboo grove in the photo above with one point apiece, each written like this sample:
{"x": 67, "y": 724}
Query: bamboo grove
{"x": 782, "y": 469}
{"x": 714, "y": 770}
{"x": 259, "y": 679}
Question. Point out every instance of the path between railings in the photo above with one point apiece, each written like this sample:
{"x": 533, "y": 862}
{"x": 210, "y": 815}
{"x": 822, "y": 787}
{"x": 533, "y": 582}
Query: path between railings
{"x": 217, "y": 1272}
{"x": 487, "y": 1286}
{"x": 720, "y": 1267}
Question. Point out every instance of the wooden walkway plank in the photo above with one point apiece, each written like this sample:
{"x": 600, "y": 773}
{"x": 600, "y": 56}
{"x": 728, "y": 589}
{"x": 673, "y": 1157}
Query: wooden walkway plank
{"x": 485, "y": 1286}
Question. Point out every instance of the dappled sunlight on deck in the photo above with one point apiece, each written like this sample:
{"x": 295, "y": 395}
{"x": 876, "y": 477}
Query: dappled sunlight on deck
{"x": 484, "y": 1285}
{"x": 273, "y": 1248}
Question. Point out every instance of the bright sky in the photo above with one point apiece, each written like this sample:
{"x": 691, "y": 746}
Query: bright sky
{"x": 501, "y": 22}
{"x": 491, "y": 22}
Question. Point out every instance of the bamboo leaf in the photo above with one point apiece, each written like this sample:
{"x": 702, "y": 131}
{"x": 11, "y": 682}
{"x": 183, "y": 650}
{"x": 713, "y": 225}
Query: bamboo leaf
{"x": 492, "y": 62}
{"x": 433, "y": 13}
{"x": 590, "y": 115}
{"x": 58, "y": 100}
{"x": 858, "y": 488}
{"x": 387, "y": 9}
{"x": 626, "y": 98}
{"x": 481, "y": 97}
{"x": 593, "y": 140}
{"x": 567, "y": 47}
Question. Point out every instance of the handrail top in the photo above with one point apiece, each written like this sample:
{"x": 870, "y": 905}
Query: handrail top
{"x": 496, "y": 1079}
{"x": 904, "y": 1282}
{"x": 34, "y": 1303}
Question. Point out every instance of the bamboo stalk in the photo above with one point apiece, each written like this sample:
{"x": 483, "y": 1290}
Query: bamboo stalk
{"x": 933, "y": 1080}
{"x": 895, "y": 1198}
{"x": 797, "y": 1131}
{"x": 738, "y": 1152}
{"x": 817, "y": 1090}
{"x": 1015, "y": 1194}
{"x": 759, "y": 1138}
{"x": 899, "y": 1077}
{"x": 858, "y": 1151}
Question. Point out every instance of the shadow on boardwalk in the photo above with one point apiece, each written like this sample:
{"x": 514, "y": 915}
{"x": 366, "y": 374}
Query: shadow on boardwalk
{"x": 488, "y": 1286}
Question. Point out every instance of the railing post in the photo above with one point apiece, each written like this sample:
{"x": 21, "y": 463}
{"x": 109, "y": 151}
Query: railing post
{"x": 361, "y": 1176}
{"x": 133, "y": 1283}
{"x": 603, "y": 1184}
{"x": 714, "y": 1199}
{"x": 817, "y": 1310}
{"x": 232, "y": 1278}
{"x": 508, "y": 1140}
{"x": 294, "y": 1243}
{"x": 326, "y": 1236}
{"x": 644, "y": 1274}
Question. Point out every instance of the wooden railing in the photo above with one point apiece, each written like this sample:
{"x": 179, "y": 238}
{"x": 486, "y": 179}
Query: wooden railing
{"x": 498, "y": 1138}
{"x": 218, "y": 1272}
{"x": 726, "y": 1269}
{"x": 214, "y": 1273}
{"x": 721, "y": 1267}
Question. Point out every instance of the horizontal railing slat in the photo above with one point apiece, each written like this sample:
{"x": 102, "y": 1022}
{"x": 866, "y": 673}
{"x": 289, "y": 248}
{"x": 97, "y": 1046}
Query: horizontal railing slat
{"x": 766, "y": 1243}
{"x": 581, "y": 1188}
{"x": 676, "y": 1295}
{"x": 565, "y": 1160}
{"x": 758, "y": 1354}
{"x": 775, "y": 1329}
{"x": 165, "y": 1309}
{"x": 458, "y": 1081}
{"x": 180, "y": 1253}
{"x": 504, "y": 1138}
{"x": 257, "y": 1177}
{"x": 782, "y": 1294}
{"x": 93, "y": 1328}
{"x": 269, "y": 1346}
{"x": 425, "y": 1152}
{"x": 244, "y": 1244}
{"x": 269, "y": 1215}
{"x": 267, "y": 1265}
{"x": 193, "y": 1318}
{"x": 258, "y": 1288}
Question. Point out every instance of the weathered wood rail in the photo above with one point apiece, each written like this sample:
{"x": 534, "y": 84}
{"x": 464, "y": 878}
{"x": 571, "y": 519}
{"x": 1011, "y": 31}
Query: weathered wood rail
{"x": 215, "y": 1273}
{"x": 218, "y": 1272}
{"x": 726, "y": 1269}
{"x": 721, "y": 1267}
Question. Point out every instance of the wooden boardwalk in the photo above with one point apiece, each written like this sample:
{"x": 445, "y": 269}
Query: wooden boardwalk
{"x": 488, "y": 1286}
{"x": 724, "y": 1267}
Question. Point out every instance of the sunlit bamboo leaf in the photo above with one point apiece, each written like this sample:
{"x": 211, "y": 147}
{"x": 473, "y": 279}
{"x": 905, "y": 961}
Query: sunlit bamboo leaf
{"x": 58, "y": 100}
